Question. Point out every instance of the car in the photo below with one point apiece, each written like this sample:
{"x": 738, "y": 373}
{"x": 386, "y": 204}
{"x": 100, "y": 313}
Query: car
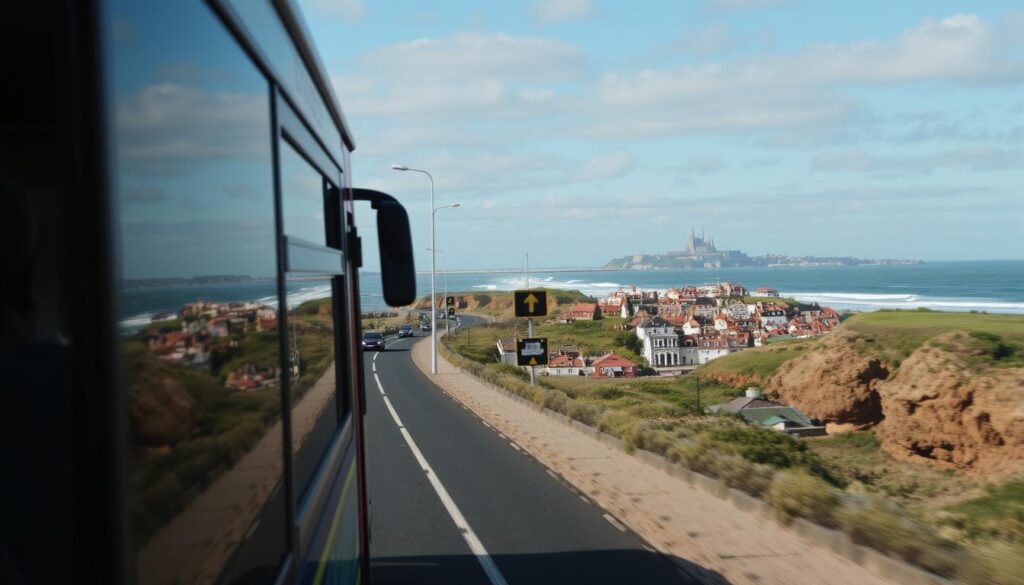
{"x": 425, "y": 326}
{"x": 405, "y": 331}
{"x": 373, "y": 340}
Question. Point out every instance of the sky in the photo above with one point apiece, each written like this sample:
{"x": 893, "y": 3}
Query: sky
{"x": 582, "y": 130}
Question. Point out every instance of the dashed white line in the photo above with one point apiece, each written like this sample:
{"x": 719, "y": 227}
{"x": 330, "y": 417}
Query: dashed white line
{"x": 614, "y": 522}
{"x": 477, "y": 547}
{"x": 502, "y": 435}
{"x": 516, "y": 447}
{"x": 552, "y": 474}
{"x": 584, "y": 499}
{"x": 648, "y": 549}
{"x": 485, "y": 423}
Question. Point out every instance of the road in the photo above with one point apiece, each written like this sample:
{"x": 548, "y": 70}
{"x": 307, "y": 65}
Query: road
{"x": 453, "y": 501}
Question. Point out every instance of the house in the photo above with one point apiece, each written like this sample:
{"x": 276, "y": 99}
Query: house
{"x": 563, "y": 365}
{"x": 724, "y": 322}
{"x": 692, "y": 327}
{"x": 581, "y": 312}
{"x": 218, "y": 327}
{"x": 507, "y": 351}
{"x": 661, "y": 342}
{"x": 613, "y": 365}
{"x": 766, "y": 292}
{"x": 709, "y": 348}
{"x": 760, "y": 411}
{"x": 703, "y": 307}
{"x": 771, "y": 316}
{"x": 567, "y": 350}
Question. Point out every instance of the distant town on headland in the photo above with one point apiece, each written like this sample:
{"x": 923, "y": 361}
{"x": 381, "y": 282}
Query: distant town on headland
{"x": 700, "y": 252}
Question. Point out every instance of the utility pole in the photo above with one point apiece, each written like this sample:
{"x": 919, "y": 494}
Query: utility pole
{"x": 533, "y": 371}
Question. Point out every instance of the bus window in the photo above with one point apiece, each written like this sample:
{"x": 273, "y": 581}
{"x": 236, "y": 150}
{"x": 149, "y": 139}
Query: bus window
{"x": 313, "y": 291}
{"x": 203, "y": 373}
{"x": 302, "y": 198}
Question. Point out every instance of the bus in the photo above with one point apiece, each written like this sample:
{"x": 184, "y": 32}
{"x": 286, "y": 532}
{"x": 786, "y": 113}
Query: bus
{"x": 180, "y": 323}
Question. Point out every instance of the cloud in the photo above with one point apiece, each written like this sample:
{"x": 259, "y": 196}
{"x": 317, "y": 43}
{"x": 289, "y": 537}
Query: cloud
{"x": 167, "y": 122}
{"x": 704, "y": 164}
{"x": 973, "y": 158}
{"x": 808, "y": 87}
{"x": 607, "y": 166}
{"x": 487, "y": 75}
{"x": 552, "y": 11}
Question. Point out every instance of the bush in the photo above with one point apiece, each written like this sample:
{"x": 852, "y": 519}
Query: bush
{"x": 995, "y": 563}
{"x": 797, "y": 494}
{"x": 883, "y": 526}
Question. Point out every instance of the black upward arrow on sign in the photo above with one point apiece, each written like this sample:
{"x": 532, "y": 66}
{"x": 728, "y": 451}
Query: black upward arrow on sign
{"x": 531, "y": 303}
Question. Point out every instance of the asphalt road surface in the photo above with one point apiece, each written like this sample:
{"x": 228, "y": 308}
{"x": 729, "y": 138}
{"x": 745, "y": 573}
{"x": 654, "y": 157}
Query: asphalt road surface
{"x": 455, "y": 502}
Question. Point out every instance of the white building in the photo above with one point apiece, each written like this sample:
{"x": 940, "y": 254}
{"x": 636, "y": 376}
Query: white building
{"x": 661, "y": 342}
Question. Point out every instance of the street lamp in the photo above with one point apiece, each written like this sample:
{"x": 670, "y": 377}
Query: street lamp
{"x": 447, "y": 321}
{"x": 433, "y": 292}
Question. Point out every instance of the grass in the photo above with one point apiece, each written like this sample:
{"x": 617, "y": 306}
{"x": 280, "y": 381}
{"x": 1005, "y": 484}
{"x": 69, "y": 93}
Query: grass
{"x": 999, "y": 513}
{"x": 894, "y": 335}
{"x": 756, "y": 363}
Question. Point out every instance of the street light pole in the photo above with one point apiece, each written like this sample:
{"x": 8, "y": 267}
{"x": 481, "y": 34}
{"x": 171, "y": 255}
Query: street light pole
{"x": 433, "y": 292}
{"x": 447, "y": 318}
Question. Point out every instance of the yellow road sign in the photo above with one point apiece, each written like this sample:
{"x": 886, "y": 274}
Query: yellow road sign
{"x": 531, "y": 303}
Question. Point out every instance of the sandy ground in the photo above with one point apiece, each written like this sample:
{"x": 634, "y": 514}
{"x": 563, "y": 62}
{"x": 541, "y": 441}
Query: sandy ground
{"x": 673, "y": 516}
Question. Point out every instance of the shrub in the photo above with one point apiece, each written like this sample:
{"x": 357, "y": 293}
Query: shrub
{"x": 995, "y": 563}
{"x": 797, "y": 494}
{"x": 883, "y": 526}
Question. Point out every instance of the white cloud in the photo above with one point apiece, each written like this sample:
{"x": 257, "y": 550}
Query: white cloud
{"x": 607, "y": 166}
{"x": 166, "y": 121}
{"x": 550, "y": 11}
{"x": 802, "y": 88}
{"x": 488, "y": 75}
{"x": 973, "y": 158}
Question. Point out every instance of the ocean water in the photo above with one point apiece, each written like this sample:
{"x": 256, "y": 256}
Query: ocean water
{"x": 991, "y": 286}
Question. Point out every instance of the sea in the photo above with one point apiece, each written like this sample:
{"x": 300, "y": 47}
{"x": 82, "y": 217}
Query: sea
{"x": 994, "y": 286}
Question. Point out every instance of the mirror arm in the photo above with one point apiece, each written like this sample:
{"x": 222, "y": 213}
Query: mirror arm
{"x": 373, "y": 196}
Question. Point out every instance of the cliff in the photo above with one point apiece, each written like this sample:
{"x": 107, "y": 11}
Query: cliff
{"x": 947, "y": 389}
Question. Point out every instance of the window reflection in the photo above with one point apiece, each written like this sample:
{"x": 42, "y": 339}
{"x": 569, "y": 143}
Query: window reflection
{"x": 312, "y": 375}
{"x": 201, "y": 349}
{"x": 302, "y": 197}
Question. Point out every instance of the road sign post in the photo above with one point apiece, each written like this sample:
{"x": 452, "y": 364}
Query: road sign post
{"x": 530, "y": 304}
{"x": 532, "y": 351}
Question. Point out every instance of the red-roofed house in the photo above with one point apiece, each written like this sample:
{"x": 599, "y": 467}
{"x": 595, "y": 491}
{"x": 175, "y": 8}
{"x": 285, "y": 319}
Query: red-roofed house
{"x": 563, "y": 365}
{"x": 581, "y": 312}
{"x": 613, "y": 365}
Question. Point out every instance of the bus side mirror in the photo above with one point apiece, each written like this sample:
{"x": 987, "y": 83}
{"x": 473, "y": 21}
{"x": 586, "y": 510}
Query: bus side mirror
{"x": 397, "y": 272}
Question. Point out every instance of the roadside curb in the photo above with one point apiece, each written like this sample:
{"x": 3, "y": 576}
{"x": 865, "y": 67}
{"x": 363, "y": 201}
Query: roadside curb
{"x": 835, "y": 541}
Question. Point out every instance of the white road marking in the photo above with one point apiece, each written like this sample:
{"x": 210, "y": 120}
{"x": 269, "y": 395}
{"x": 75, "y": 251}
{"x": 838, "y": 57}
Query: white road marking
{"x": 477, "y": 547}
{"x": 485, "y": 423}
{"x": 502, "y": 435}
{"x": 648, "y": 549}
{"x": 614, "y": 522}
{"x": 584, "y": 499}
{"x": 551, "y": 473}
{"x": 516, "y": 447}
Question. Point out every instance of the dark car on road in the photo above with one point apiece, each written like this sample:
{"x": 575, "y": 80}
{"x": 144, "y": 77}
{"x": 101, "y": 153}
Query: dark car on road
{"x": 405, "y": 331}
{"x": 373, "y": 340}
{"x": 424, "y": 325}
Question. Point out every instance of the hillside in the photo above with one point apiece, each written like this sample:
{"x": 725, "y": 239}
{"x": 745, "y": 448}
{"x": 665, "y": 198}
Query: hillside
{"x": 944, "y": 388}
